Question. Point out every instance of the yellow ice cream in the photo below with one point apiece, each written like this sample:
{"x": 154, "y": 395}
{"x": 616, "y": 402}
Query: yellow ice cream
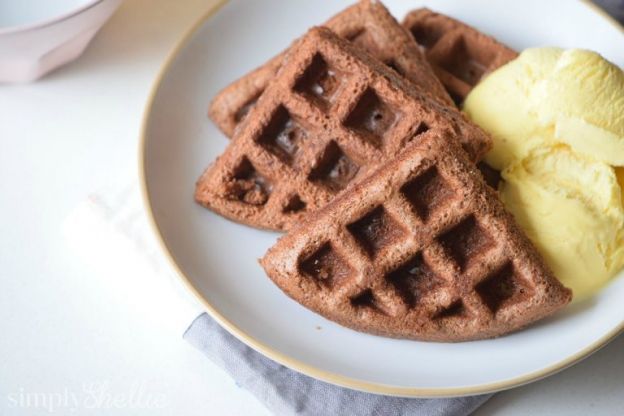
{"x": 571, "y": 207}
{"x": 557, "y": 119}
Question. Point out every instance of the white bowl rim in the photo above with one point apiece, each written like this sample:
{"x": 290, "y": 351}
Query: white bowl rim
{"x": 50, "y": 21}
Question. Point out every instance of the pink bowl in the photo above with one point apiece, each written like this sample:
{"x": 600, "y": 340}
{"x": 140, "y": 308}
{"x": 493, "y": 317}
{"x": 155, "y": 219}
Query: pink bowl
{"x": 28, "y": 52}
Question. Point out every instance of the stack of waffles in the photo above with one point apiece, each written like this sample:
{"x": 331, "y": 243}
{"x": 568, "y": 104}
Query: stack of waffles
{"x": 350, "y": 140}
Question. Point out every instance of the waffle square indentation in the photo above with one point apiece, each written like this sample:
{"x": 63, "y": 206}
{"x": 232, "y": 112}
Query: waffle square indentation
{"x": 282, "y": 136}
{"x": 366, "y": 299}
{"x": 364, "y": 39}
{"x": 327, "y": 266}
{"x": 320, "y": 81}
{"x": 373, "y": 117}
{"x": 428, "y": 192}
{"x": 334, "y": 168}
{"x": 426, "y": 36}
{"x": 503, "y": 288}
{"x": 467, "y": 241}
{"x": 466, "y": 60}
{"x": 376, "y": 230}
{"x": 455, "y": 310}
{"x": 248, "y": 185}
{"x": 414, "y": 280}
{"x": 294, "y": 204}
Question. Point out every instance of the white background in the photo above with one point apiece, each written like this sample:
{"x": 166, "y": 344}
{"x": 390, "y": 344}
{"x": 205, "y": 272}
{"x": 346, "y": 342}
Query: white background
{"x": 70, "y": 321}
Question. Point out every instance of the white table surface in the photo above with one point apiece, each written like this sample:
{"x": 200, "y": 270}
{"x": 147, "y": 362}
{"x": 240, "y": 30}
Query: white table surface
{"x": 105, "y": 331}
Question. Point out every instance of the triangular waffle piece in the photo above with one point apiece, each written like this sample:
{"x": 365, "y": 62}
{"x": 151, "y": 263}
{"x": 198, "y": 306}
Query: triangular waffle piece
{"x": 420, "y": 249}
{"x": 367, "y": 24}
{"x": 459, "y": 54}
{"x": 333, "y": 113}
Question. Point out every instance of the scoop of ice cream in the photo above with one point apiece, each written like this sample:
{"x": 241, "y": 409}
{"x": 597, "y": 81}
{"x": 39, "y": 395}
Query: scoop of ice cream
{"x": 552, "y": 95}
{"x": 557, "y": 120}
{"x": 571, "y": 208}
{"x": 583, "y": 99}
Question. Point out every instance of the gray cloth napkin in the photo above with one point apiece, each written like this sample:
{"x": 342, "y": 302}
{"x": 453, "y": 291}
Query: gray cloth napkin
{"x": 614, "y": 7}
{"x": 286, "y": 392}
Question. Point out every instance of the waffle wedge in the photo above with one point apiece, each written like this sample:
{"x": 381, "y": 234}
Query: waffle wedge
{"x": 333, "y": 113}
{"x": 459, "y": 54}
{"x": 422, "y": 249}
{"x": 367, "y": 24}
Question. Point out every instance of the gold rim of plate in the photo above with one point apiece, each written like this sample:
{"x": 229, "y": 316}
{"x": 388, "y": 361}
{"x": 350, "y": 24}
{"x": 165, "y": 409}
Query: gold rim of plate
{"x": 295, "y": 364}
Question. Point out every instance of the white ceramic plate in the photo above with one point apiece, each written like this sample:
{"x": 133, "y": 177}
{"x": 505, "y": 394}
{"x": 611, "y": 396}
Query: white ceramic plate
{"x": 217, "y": 258}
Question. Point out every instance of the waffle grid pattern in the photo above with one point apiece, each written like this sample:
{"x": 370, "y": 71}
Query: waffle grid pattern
{"x": 329, "y": 121}
{"x": 367, "y": 24}
{"x": 459, "y": 54}
{"x": 444, "y": 247}
{"x": 421, "y": 249}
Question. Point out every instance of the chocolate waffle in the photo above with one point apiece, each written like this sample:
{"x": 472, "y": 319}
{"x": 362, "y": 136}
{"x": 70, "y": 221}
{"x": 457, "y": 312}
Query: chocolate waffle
{"x": 459, "y": 54}
{"x": 333, "y": 113}
{"x": 423, "y": 249}
{"x": 367, "y": 24}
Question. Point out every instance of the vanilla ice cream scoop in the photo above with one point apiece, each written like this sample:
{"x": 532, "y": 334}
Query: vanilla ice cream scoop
{"x": 557, "y": 120}
{"x": 571, "y": 208}
{"x": 583, "y": 99}
{"x": 549, "y": 94}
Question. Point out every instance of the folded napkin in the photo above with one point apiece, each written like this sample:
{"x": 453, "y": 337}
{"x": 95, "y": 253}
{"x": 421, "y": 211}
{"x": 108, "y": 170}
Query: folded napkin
{"x": 286, "y": 392}
{"x": 614, "y": 7}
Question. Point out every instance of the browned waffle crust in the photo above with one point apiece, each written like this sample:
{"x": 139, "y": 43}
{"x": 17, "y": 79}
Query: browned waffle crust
{"x": 367, "y": 24}
{"x": 333, "y": 113}
{"x": 419, "y": 249}
{"x": 459, "y": 54}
